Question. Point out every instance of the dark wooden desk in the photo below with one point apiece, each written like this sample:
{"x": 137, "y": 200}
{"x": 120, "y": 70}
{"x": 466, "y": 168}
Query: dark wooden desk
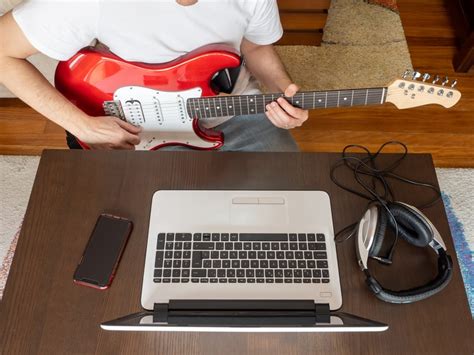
{"x": 44, "y": 312}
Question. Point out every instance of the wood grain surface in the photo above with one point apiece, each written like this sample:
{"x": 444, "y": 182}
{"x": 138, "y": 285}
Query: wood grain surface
{"x": 43, "y": 312}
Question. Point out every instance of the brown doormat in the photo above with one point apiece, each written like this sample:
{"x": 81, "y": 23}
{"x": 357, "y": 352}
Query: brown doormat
{"x": 364, "y": 45}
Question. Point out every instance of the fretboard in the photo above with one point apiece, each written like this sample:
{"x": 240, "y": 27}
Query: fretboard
{"x": 220, "y": 106}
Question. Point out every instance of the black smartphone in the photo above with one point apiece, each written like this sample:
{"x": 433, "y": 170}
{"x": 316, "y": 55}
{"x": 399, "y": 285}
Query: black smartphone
{"x": 103, "y": 251}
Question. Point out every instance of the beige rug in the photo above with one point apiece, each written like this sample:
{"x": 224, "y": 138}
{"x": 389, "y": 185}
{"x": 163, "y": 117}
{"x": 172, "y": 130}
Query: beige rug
{"x": 364, "y": 45}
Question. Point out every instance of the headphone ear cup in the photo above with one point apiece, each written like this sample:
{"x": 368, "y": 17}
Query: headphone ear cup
{"x": 411, "y": 226}
{"x": 379, "y": 232}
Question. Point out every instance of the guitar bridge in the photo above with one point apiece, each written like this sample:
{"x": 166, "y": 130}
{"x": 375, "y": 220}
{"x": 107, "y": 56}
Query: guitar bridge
{"x": 114, "y": 108}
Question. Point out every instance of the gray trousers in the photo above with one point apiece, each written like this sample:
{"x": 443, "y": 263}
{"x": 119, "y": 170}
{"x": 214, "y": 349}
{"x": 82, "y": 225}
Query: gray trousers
{"x": 253, "y": 133}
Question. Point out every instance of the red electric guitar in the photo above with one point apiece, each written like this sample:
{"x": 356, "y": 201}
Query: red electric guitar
{"x": 167, "y": 100}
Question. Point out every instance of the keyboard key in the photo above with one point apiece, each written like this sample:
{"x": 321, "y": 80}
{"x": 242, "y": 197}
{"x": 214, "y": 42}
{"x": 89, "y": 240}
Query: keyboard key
{"x": 235, "y": 264}
{"x": 170, "y": 237}
{"x": 212, "y": 273}
{"x": 269, "y": 281}
{"x": 222, "y": 281}
{"x": 261, "y": 255}
{"x": 203, "y": 246}
{"x": 166, "y": 281}
{"x": 225, "y": 237}
{"x": 301, "y": 264}
{"x": 308, "y": 255}
{"x": 229, "y": 246}
{"x": 169, "y": 245}
{"x": 320, "y": 255}
{"x": 215, "y": 237}
{"x": 306, "y": 281}
{"x": 245, "y": 264}
{"x": 260, "y": 281}
{"x": 233, "y": 255}
{"x": 224, "y": 255}
{"x": 316, "y": 281}
{"x": 158, "y": 273}
{"x": 297, "y": 281}
{"x": 311, "y": 264}
{"x": 186, "y": 264}
{"x": 275, "y": 246}
{"x": 214, "y": 255}
{"x": 176, "y": 273}
{"x": 307, "y": 273}
{"x": 317, "y": 273}
{"x": 288, "y": 273}
{"x": 167, "y": 273}
{"x": 269, "y": 273}
{"x": 288, "y": 281}
{"x": 264, "y": 264}
{"x": 220, "y": 246}
{"x": 187, "y": 245}
{"x": 322, "y": 264}
{"x": 169, "y": 255}
{"x": 283, "y": 264}
{"x": 265, "y": 246}
{"x": 161, "y": 241}
{"x": 320, "y": 237}
{"x": 157, "y": 280}
{"x": 257, "y": 246}
{"x": 311, "y": 237}
{"x": 252, "y": 255}
{"x": 279, "y": 273}
{"x": 326, "y": 273}
{"x": 197, "y": 259}
{"x": 176, "y": 264}
{"x": 302, "y": 237}
{"x": 221, "y": 273}
{"x": 185, "y": 273}
{"x": 204, "y": 281}
{"x": 214, "y": 281}
{"x": 230, "y": 273}
{"x": 259, "y": 273}
{"x": 271, "y": 255}
{"x": 197, "y": 237}
{"x": 159, "y": 259}
{"x": 273, "y": 264}
{"x": 234, "y": 237}
{"x": 206, "y": 237}
{"x": 226, "y": 264}
{"x": 293, "y": 246}
{"x": 178, "y": 254}
{"x": 183, "y": 237}
{"x": 280, "y": 255}
{"x": 195, "y": 281}
{"x": 284, "y": 246}
{"x": 279, "y": 281}
{"x": 207, "y": 264}
{"x": 205, "y": 254}
{"x": 168, "y": 263}
{"x": 247, "y": 246}
{"x": 293, "y": 237}
{"x": 198, "y": 273}
{"x": 325, "y": 281}
{"x": 254, "y": 264}
{"x": 299, "y": 255}
{"x": 250, "y": 281}
{"x": 241, "y": 281}
{"x": 297, "y": 273}
{"x": 292, "y": 264}
{"x": 303, "y": 246}
{"x": 238, "y": 246}
{"x": 242, "y": 255}
{"x": 250, "y": 273}
{"x": 240, "y": 273}
{"x": 290, "y": 255}
{"x": 216, "y": 264}
{"x": 263, "y": 237}
{"x": 320, "y": 246}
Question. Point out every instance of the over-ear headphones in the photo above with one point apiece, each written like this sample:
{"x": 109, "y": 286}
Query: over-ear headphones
{"x": 412, "y": 226}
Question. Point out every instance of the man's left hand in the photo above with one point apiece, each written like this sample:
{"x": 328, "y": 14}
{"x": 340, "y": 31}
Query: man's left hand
{"x": 283, "y": 115}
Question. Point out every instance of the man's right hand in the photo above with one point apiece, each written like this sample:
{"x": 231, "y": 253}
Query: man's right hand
{"x": 108, "y": 133}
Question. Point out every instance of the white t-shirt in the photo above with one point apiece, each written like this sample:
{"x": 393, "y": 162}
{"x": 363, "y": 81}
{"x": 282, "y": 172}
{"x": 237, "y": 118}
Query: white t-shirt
{"x": 150, "y": 31}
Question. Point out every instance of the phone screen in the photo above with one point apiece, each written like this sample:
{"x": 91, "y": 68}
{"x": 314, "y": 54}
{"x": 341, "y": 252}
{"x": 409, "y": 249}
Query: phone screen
{"x": 103, "y": 251}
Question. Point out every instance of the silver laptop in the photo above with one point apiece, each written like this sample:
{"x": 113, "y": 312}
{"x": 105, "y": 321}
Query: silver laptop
{"x": 241, "y": 261}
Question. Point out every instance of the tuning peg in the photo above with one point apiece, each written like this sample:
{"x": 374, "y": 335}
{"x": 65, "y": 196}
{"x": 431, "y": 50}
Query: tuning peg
{"x": 415, "y": 75}
{"x": 445, "y": 81}
{"x": 455, "y": 82}
{"x": 406, "y": 73}
{"x": 436, "y": 79}
{"x": 426, "y": 76}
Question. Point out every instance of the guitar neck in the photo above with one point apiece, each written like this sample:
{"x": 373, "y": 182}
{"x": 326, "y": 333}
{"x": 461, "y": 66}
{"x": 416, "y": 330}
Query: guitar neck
{"x": 221, "y": 106}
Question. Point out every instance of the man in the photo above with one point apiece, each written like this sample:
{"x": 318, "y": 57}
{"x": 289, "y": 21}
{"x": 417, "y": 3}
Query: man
{"x": 152, "y": 31}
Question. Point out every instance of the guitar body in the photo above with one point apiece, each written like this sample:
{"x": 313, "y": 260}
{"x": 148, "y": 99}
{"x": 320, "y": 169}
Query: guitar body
{"x": 153, "y": 96}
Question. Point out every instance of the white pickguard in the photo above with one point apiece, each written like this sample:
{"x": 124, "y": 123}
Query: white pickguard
{"x": 162, "y": 115}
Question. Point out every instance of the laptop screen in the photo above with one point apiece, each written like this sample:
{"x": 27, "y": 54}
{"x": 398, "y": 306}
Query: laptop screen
{"x": 338, "y": 322}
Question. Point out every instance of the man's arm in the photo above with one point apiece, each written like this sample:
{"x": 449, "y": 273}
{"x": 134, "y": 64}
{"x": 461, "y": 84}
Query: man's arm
{"x": 265, "y": 64}
{"x": 26, "y": 82}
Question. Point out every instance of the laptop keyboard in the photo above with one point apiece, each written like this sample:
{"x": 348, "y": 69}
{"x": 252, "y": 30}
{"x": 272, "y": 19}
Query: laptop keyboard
{"x": 241, "y": 258}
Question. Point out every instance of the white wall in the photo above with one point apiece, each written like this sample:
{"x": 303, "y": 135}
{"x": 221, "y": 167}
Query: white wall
{"x": 43, "y": 63}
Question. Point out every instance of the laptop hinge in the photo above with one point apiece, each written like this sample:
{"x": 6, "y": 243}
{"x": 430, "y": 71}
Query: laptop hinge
{"x": 160, "y": 312}
{"x": 202, "y": 308}
{"x": 323, "y": 313}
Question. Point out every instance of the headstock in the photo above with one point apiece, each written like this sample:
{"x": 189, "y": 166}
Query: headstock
{"x": 414, "y": 90}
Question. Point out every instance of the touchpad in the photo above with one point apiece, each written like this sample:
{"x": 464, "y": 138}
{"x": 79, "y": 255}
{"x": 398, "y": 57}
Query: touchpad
{"x": 259, "y": 214}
